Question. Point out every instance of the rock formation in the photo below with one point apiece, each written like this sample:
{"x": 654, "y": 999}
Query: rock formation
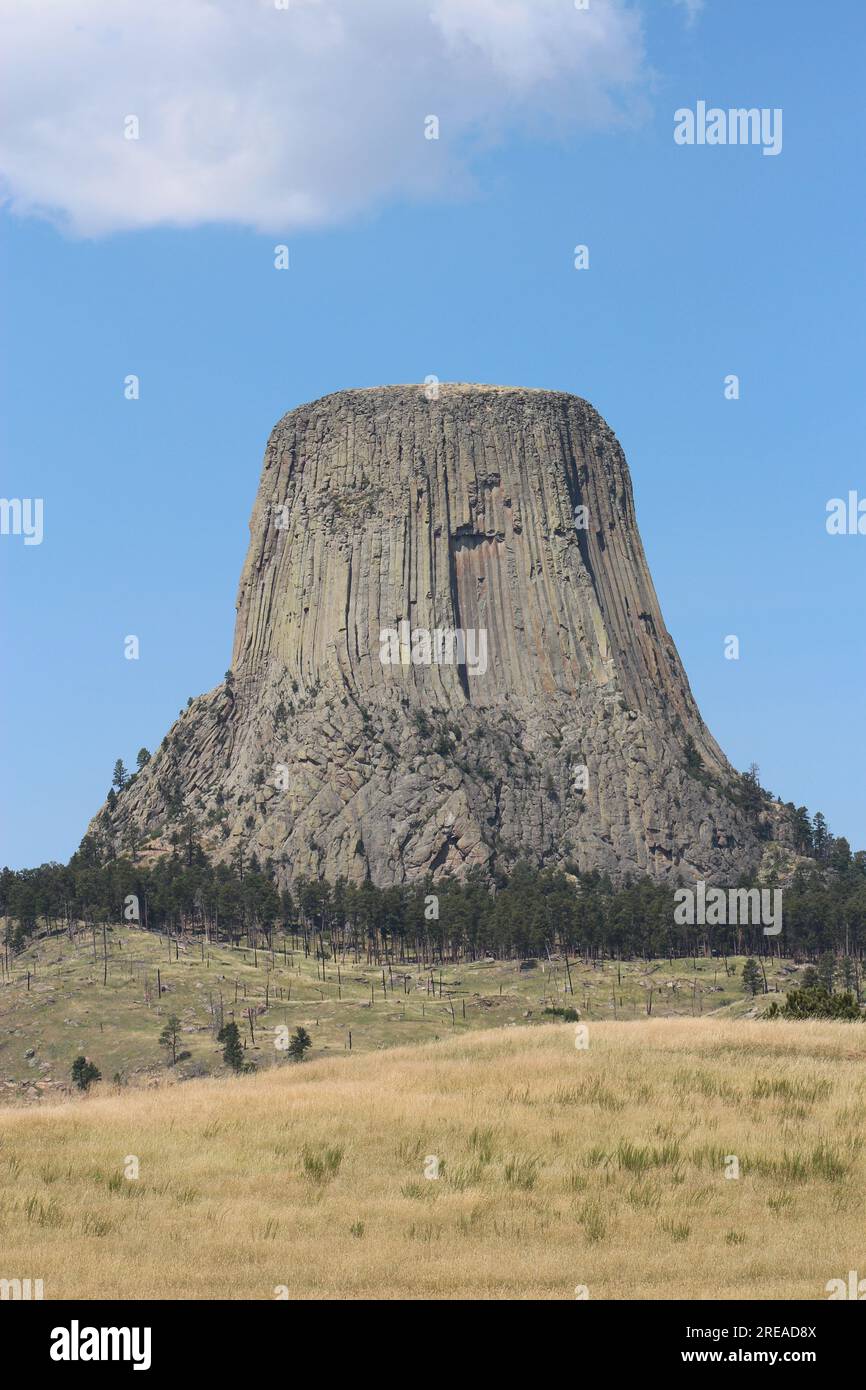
{"x": 390, "y": 524}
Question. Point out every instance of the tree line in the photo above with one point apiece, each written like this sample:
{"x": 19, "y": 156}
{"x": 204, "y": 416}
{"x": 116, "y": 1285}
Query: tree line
{"x": 532, "y": 912}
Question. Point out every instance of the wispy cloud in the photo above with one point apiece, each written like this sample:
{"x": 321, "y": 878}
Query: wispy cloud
{"x": 691, "y": 7}
{"x": 285, "y": 118}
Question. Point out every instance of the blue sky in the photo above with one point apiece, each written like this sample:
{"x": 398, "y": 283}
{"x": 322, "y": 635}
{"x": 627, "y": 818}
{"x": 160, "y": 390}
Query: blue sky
{"x": 704, "y": 261}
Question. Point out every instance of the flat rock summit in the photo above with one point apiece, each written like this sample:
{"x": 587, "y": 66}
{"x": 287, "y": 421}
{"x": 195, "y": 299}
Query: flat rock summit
{"x": 448, "y": 654}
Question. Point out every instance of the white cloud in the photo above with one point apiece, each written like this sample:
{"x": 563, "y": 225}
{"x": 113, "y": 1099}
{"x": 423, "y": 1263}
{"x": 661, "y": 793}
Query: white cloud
{"x": 279, "y": 119}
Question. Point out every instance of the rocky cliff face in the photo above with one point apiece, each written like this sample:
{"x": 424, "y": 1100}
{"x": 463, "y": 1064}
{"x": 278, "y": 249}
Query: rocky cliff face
{"x": 393, "y": 535}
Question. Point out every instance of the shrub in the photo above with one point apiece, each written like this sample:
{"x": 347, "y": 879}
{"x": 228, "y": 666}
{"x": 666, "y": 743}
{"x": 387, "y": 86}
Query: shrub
{"x": 567, "y": 1015}
{"x": 816, "y": 1003}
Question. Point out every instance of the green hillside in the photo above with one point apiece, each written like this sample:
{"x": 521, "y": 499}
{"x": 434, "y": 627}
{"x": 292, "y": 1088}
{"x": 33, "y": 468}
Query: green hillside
{"x": 60, "y": 998}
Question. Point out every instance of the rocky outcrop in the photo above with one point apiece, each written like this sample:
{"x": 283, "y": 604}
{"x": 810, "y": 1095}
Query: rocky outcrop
{"x": 347, "y": 743}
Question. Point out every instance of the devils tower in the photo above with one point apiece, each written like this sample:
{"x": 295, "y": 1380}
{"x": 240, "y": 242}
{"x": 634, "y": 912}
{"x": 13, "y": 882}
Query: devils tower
{"x": 448, "y": 653}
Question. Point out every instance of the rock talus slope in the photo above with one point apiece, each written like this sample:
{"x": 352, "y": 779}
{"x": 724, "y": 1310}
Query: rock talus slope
{"x": 570, "y": 734}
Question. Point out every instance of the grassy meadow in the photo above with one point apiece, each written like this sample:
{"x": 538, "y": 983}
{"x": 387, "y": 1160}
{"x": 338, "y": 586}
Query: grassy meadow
{"x": 559, "y": 1168}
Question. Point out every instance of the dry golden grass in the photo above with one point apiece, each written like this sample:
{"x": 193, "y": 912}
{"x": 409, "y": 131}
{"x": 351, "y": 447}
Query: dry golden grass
{"x": 559, "y": 1167}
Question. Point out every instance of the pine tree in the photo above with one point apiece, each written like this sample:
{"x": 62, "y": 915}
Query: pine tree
{"x": 820, "y": 836}
{"x": 84, "y": 1073}
{"x": 827, "y": 971}
{"x": 751, "y": 794}
{"x": 233, "y": 1052}
{"x": 694, "y": 761}
{"x": 752, "y": 977}
{"x": 170, "y": 1036}
{"x": 802, "y": 827}
{"x": 840, "y": 855}
{"x": 300, "y": 1042}
{"x": 142, "y": 758}
{"x": 120, "y": 776}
